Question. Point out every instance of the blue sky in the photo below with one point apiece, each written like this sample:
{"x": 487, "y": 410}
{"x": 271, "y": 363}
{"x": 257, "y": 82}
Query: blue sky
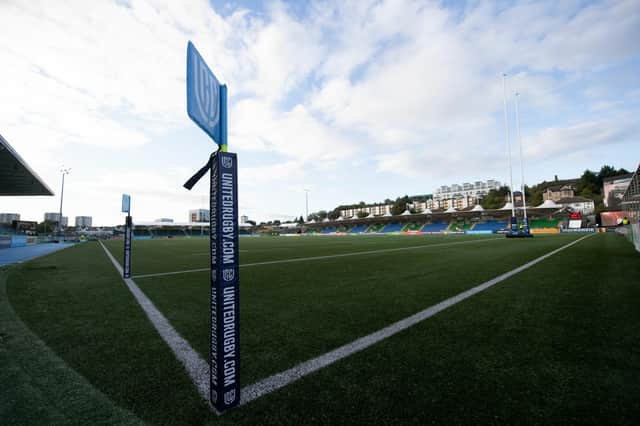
{"x": 356, "y": 101}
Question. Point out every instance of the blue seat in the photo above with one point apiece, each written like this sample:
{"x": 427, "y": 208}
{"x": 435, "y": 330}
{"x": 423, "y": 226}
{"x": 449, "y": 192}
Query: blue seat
{"x": 393, "y": 227}
{"x": 435, "y": 227}
{"x": 358, "y": 229}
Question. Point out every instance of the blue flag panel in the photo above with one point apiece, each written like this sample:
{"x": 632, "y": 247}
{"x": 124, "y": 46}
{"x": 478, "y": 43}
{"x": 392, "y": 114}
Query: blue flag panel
{"x": 203, "y": 94}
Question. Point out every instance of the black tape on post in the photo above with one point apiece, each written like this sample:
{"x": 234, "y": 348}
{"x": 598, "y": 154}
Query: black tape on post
{"x": 225, "y": 307}
{"x": 128, "y": 233}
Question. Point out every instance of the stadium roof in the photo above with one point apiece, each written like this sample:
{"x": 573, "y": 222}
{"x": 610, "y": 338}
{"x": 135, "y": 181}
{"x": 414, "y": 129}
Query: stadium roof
{"x": 16, "y": 177}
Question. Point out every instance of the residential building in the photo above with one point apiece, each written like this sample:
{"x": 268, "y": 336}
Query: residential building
{"x": 559, "y": 191}
{"x": 464, "y": 195}
{"x": 199, "y": 215}
{"x": 375, "y": 209}
{"x": 55, "y": 217}
{"x": 8, "y": 218}
{"x": 613, "y": 189}
{"x": 83, "y": 222}
{"x": 244, "y": 219}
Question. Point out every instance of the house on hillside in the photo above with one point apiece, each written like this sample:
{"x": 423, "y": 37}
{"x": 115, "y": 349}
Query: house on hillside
{"x": 559, "y": 191}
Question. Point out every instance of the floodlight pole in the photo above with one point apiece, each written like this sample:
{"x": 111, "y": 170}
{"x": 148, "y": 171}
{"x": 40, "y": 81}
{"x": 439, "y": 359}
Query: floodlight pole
{"x": 524, "y": 201}
{"x": 306, "y": 199}
{"x": 506, "y": 133}
{"x": 64, "y": 172}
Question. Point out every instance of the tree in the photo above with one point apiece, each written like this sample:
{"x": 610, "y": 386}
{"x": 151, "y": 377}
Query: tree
{"x": 362, "y": 214}
{"x": 495, "y": 198}
{"x": 400, "y": 205}
{"x": 333, "y": 215}
{"x": 589, "y": 181}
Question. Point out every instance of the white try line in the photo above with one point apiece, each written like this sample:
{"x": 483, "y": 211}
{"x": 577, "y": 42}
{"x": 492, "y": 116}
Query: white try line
{"x": 279, "y": 380}
{"x": 330, "y": 256}
{"x": 197, "y": 368}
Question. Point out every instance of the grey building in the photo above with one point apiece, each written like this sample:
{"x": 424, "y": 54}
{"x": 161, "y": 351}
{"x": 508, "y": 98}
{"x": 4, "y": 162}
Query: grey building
{"x": 199, "y": 215}
{"x": 9, "y": 217}
{"x": 83, "y": 221}
{"x": 55, "y": 217}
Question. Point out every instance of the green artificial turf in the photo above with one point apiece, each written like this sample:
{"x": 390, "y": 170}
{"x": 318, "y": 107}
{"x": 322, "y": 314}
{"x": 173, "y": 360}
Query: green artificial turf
{"x": 554, "y": 344}
{"x": 37, "y": 387}
{"x": 296, "y": 311}
{"x": 76, "y": 302}
{"x": 172, "y": 254}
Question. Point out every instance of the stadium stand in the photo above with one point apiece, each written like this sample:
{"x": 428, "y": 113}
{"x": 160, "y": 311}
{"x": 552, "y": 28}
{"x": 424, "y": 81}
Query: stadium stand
{"x": 6, "y": 230}
{"x": 435, "y": 227}
{"x": 376, "y": 228}
{"x": 141, "y": 232}
{"x": 329, "y": 230}
{"x": 197, "y": 232}
{"x": 358, "y": 229}
{"x": 392, "y": 227}
{"x": 490, "y": 225}
{"x": 413, "y": 227}
{"x": 167, "y": 232}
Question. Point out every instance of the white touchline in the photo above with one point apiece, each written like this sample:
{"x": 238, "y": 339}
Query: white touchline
{"x": 279, "y": 380}
{"x": 330, "y": 256}
{"x": 197, "y": 368}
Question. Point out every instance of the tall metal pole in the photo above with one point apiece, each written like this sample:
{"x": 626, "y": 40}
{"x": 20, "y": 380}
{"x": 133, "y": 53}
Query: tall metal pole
{"x": 64, "y": 172}
{"x": 524, "y": 200}
{"x": 306, "y": 199}
{"x": 506, "y": 134}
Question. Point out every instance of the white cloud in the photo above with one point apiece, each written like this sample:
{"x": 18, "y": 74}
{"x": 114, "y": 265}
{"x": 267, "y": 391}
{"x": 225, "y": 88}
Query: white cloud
{"x": 599, "y": 135}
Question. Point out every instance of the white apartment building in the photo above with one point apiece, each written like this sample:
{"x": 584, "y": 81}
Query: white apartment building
{"x": 377, "y": 210}
{"x": 83, "y": 221}
{"x": 464, "y": 195}
{"x": 55, "y": 217}
{"x": 9, "y": 217}
{"x": 199, "y": 215}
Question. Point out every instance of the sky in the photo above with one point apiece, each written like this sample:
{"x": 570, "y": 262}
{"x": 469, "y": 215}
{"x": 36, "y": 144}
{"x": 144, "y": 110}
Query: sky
{"x": 352, "y": 100}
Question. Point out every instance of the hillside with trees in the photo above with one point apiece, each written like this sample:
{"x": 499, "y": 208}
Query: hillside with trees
{"x": 589, "y": 185}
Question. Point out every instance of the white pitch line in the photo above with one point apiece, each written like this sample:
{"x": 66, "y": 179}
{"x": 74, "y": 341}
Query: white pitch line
{"x": 330, "y": 256}
{"x": 197, "y": 368}
{"x": 279, "y": 380}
